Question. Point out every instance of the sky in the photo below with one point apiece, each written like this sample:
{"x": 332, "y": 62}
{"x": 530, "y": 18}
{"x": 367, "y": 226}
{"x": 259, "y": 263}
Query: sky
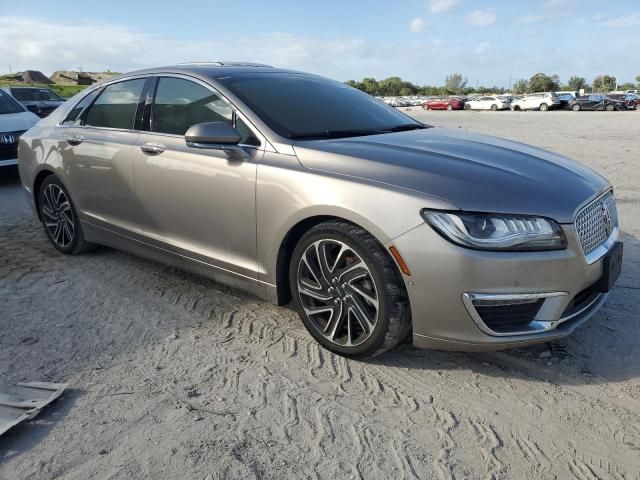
{"x": 491, "y": 42}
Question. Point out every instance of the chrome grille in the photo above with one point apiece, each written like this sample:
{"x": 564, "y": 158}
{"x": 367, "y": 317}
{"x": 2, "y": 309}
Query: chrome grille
{"x": 596, "y": 222}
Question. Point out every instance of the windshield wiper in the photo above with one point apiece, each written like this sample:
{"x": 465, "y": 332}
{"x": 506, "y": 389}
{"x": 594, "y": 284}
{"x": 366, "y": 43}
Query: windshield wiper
{"x": 358, "y": 132}
{"x": 406, "y": 127}
{"x": 336, "y": 133}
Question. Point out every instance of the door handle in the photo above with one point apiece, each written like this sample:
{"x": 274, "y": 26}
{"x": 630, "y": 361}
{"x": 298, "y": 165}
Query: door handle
{"x": 75, "y": 140}
{"x": 152, "y": 148}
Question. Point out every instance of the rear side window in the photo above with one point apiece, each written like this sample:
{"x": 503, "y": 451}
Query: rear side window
{"x": 74, "y": 115}
{"x": 116, "y": 106}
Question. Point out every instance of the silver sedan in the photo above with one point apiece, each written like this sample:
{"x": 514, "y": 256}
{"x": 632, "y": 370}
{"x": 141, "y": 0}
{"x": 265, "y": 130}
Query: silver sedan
{"x": 301, "y": 189}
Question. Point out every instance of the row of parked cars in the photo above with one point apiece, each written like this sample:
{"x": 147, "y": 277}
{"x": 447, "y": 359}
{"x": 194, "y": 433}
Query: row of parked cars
{"x": 538, "y": 101}
{"x": 20, "y": 109}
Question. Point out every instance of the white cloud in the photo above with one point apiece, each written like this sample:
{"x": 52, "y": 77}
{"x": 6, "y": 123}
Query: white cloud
{"x": 481, "y": 18}
{"x": 530, "y": 19}
{"x": 439, "y": 6}
{"x": 417, "y": 25}
{"x": 632, "y": 20}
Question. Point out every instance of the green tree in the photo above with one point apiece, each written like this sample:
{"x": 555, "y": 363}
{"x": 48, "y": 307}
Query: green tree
{"x": 626, "y": 86}
{"x": 455, "y": 83}
{"x": 638, "y": 80}
{"x": 520, "y": 86}
{"x": 576, "y": 83}
{"x": 604, "y": 83}
{"x": 541, "y": 82}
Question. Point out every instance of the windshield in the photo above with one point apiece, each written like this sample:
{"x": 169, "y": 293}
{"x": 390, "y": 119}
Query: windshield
{"x": 8, "y": 104}
{"x": 34, "y": 94}
{"x": 301, "y": 105}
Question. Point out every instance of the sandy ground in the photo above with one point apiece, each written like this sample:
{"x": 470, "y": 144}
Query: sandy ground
{"x": 174, "y": 376}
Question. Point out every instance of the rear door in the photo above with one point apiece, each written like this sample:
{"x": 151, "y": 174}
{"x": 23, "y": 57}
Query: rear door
{"x": 96, "y": 148}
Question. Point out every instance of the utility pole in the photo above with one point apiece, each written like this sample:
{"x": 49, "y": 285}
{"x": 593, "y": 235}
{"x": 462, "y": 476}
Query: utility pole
{"x": 10, "y": 72}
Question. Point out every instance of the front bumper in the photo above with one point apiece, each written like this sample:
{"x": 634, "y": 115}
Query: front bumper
{"x": 445, "y": 279}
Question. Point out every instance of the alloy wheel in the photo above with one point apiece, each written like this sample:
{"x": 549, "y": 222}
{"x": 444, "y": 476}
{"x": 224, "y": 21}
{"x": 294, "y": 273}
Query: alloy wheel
{"x": 338, "y": 292}
{"x": 57, "y": 215}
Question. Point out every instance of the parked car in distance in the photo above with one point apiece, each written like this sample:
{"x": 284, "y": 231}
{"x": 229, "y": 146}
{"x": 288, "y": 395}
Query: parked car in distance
{"x": 40, "y": 101}
{"x": 537, "y": 101}
{"x": 565, "y": 98}
{"x": 596, "y": 101}
{"x": 14, "y": 121}
{"x": 630, "y": 100}
{"x": 485, "y": 103}
{"x": 451, "y": 103}
{"x": 299, "y": 188}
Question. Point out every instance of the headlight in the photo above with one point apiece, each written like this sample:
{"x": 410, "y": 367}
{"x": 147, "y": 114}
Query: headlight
{"x": 489, "y": 231}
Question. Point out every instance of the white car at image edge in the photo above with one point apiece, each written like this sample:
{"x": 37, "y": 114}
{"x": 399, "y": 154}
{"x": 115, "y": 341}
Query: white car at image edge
{"x": 486, "y": 103}
{"x": 14, "y": 121}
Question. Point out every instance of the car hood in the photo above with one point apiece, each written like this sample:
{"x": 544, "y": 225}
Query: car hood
{"x": 472, "y": 171}
{"x": 17, "y": 122}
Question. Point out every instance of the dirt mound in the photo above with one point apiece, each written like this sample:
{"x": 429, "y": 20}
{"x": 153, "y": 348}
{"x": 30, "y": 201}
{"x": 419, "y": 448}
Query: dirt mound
{"x": 28, "y": 76}
{"x": 66, "y": 77}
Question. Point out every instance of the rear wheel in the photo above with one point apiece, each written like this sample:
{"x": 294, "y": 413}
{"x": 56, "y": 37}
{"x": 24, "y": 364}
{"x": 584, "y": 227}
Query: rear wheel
{"x": 348, "y": 291}
{"x": 610, "y": 107}
{"x": 59, "y": 217}
{"x": 494, "y": 108}
{"x": 449, "y": 107}
{"x": 467, "y": 106}
{"x": 576, "y": 108}
{"x": 544, "y": 107}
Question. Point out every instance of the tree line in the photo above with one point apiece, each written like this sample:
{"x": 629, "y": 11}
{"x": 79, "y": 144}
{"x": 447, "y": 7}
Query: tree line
{"x": 457, "y": 84}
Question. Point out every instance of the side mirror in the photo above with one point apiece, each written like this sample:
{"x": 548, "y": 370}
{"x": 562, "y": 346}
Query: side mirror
{"x": 216, "y": 136}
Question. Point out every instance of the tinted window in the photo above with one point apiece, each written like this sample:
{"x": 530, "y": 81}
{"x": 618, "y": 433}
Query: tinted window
{"x": 180, "y": 104}
{"x": 34, "y": 94}
{"x": 116, "y": 106}
{"x": 8, "y": 104}
{"x": 74, "y": 115}
{"x": 295, "y": 105}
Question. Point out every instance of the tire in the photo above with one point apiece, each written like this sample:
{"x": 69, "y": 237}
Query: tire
{"x": 366, "y": 310}
{"x": 494, "y": 108}
{"x": 467, "y": 106}
{"x": 516, "y": 108}
{"x": 60, "y": 218}
{"x": 576, "y": 108}
{"x": 610, "y": 107}
{"x": 426, "y": 107}
{"x": 449, "y": 107}
{"x": 544, "y": 107}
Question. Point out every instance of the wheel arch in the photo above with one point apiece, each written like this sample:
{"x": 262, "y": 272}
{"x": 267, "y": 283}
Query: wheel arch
{"x": 293, "y": 236}
{"x": 37, "y": 182}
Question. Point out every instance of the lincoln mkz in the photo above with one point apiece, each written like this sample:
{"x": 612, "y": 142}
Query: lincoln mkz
{"x": 302, "y": 189}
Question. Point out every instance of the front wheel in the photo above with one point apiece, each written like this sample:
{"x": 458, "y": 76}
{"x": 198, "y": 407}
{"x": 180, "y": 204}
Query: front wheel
{"x": 467, "y": 106}
{"x": 610, "y": 108}
{"x": 494, "y": 108}
{"x": 544, "y": 107}
{"x": 449, "y": 107}
{"x": 60, "y": 218}
{"x": 347, "y": 290}
{"x": 576, "y": 108}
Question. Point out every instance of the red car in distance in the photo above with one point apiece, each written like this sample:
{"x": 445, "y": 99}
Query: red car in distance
{"x": 451, "y": 103}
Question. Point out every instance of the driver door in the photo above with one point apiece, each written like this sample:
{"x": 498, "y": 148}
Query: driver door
{"x": 197, "y": 203}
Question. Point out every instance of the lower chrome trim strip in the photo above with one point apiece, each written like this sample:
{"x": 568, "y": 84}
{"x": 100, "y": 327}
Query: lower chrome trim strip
{"x": 538, "y": 325}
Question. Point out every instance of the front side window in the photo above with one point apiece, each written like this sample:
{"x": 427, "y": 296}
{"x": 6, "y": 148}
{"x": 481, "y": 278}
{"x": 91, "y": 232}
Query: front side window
{"x": 116, "y": 106}
{"x": 179, "y": 104}
{"x": 8, "y": 104}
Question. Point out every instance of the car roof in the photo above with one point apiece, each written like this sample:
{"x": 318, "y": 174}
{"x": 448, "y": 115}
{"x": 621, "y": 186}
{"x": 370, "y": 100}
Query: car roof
{"x": 210, "y": 70}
